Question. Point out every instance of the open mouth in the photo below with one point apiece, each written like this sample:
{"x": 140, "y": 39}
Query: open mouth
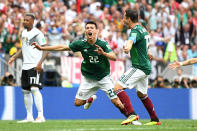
{"x": 90, "y": 33}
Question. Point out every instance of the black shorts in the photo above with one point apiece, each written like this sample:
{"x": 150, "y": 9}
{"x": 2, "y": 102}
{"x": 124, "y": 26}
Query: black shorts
{"x": 31, "y": 78}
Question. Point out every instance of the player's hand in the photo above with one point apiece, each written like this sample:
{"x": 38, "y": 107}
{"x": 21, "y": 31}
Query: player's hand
{"x": 99, "y": 50}
{"x": 10, "y": 61}
{"x": 36, "y": 45}
{"x": 174, "y": 65}
{"x": 126, "y": 49}
{"x": 150, "y": 56}
{"x": 38, "y": 68}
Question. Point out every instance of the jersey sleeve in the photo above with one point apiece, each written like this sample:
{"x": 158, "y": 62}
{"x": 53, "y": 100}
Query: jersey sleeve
{"x": 41, "y": 39}
{"x": 76, "y": 45}
{"x": 107, "y": 47}
{"x": 134, "y": 36}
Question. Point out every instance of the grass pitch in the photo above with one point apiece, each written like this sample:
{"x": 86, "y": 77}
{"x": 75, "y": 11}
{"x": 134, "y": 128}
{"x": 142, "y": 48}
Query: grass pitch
{"x": 97, "y": 125}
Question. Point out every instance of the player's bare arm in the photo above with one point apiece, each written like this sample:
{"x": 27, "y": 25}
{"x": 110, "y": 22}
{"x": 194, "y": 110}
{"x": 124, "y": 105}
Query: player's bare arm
{"x": 150, "y": 56}
{"x": 39, "y": 65}
{"x": 174, "y": 65}
{"x": 51, "y": 48}
{"x": 128, "y": 46}
{"x": 110, "y": 55}
{"x": 18, "y": 54}
{"x": 177, "y": 64}
{"x": 189, "y": 62}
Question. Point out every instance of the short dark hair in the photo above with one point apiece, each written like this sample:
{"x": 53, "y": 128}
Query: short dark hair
{"x": 31, "y": 15}
{"x": 132, "y": 14}
{"x": 92, "y": 22}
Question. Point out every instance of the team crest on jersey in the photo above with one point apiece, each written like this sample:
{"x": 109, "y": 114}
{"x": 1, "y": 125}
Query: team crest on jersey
{"x": 25, "y": 39}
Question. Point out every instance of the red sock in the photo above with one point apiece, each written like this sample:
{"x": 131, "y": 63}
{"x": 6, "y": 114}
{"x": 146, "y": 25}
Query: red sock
{"x": 90, "y": 100}
{"x": 124, "y": 98}
{"x": 149, "y": 107}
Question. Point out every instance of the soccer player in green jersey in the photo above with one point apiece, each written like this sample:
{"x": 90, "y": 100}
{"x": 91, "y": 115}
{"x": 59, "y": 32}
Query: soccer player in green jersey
{"x": 137, "y": 75}
{"x": 95, "y": 67}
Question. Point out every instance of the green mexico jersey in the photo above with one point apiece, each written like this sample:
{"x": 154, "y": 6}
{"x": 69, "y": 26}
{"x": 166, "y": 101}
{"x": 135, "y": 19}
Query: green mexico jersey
{"x": 138, "y": 53}
{"x": 94, "y": 65}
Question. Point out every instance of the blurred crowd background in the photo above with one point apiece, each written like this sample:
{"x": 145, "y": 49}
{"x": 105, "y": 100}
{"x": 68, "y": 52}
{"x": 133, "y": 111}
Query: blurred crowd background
{"x": 172, "y": 25}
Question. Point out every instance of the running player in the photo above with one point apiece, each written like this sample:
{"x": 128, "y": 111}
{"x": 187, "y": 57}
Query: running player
{"x": 137, "y": 75}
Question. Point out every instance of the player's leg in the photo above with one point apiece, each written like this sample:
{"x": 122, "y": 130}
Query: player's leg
{"x": 128, "y": 108}
{"x": 86, "y": 93}
{"x": 36, "y": 85}
{"x": 142, "y": 88}
{"x": 124, "y": 98}
{"x": 79, "y": 102}
{"x": 90, "y": 101}
{"x": 127, "y": 80}
{"x": 28, "y": 100}
{"x": 39, "y": 104}
{"x": 133, "y": 118}
{"x": 106, "y": 85}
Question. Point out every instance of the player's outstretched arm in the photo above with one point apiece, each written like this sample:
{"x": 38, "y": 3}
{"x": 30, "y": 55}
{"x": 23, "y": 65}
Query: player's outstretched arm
{"x": 174, "y": 65}
{"x": 51, "y": 48}
{"x": 184, "y": 63}
{"x": 110, "y": 55}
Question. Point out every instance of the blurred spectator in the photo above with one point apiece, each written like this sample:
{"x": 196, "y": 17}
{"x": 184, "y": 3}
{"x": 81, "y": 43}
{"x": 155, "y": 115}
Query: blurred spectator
{"x": 192, "y": 52}
{"x": 71, "y": 13}
{"x": 111, "y": 42}
{"x": 176, "y": 83}
{"x": 169, "y": 31}
{"x": 183, "y": 53}
{"x": 166, "y": 83}
{"x": 185, "y": 82}
{"x": 194, "y": 82}
{"x": 8, "y": 80}
{"x": 15, "y": 48}
{"x": 186, "y": 34}
{"x": 158, "y": 82}
{"x": 179, "y": 74}
{"x": 170, "y": 53}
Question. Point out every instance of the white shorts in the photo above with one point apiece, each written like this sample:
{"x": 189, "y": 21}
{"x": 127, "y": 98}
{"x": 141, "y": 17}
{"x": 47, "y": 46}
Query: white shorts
{"x": 89, "y": 87}
{"x": 134, "y": 78}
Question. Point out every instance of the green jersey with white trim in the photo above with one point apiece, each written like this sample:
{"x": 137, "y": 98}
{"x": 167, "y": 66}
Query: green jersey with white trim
{"x": 138, "y": 53}
{"x": 94, "y": 65}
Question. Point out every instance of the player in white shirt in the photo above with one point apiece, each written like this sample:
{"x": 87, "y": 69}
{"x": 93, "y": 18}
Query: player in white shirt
{"x": 32, "y": 68}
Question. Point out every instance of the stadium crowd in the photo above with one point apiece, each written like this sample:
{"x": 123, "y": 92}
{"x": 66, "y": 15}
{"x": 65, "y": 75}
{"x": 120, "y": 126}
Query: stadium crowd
{"x": 172, "y": 25}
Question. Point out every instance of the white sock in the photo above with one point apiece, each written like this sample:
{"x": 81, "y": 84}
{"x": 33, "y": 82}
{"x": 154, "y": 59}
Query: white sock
{"x": 38, "y": 100}
{"x": 28, "y": 100}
